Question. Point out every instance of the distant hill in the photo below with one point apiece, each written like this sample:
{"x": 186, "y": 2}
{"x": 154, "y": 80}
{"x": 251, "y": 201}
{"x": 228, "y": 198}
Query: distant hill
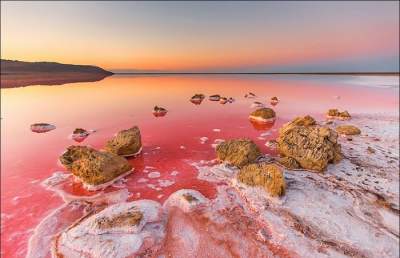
{"x": 19, "y": 73}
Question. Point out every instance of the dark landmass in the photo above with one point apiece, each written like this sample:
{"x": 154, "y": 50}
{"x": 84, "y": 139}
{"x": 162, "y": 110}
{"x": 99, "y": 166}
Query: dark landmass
{"x": 18, "y": 73}
{"x": 272, "y": 73}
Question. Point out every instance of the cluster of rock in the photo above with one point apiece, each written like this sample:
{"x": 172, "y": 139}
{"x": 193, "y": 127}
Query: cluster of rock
{"x": 336, "y": 114}
{"x": 222, "y": 100}
{"x": 98, "y": 169}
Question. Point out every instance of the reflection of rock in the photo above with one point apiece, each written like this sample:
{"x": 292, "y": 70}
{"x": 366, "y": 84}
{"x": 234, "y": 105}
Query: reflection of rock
{"x": 311, "y": 145}
{"x": 289, "y": 163}
{"x": 347, "y": 130}
{"x": 125, "y": 143}
{"x": 159, "y": 111}
{"x": 197, "y": 99}
{"x": 223, "y": 100}
{"x": 334, "y": 113}
{"x": 128, "y": 229}
{"x": 215, "y": 97}
{"x": 42, "y": 127}
{"x": 257, "y": 104}
{"x": 262, "y": 126}
{"x": 238, "y": 152}
{"x": 267, "y": 176}
{"x": 250, "y": 95}
{"x": 93, "y": 168}
{"x": 263, "y": 115}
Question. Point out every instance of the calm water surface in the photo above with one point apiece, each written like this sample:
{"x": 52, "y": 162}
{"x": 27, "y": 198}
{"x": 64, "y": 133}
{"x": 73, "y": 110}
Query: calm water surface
{"x": 171, "y": 143}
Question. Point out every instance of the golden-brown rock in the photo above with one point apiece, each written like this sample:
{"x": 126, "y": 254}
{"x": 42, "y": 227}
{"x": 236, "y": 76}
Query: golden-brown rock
{"x": 238, "y": 152}
{"x": 263, "y": 115}
{"x": 267, "y": 176}
{"x": 289, "y": 163}
{"x": 347, "y": 130}
{"x": 311, "y": 145}
{"x": 125, "y": 143}
{"x": 93, "y": 167}
{"x": 335, "y": 113}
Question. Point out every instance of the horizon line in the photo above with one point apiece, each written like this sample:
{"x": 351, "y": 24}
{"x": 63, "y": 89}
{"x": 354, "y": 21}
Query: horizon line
{"x": 267, "y": 73}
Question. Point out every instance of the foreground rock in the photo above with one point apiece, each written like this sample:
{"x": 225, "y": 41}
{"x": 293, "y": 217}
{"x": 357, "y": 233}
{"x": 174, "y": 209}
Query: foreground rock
{"x": 95, "y": 169}
{"x": 126, "y": 143}
{"x": 334, "y": 113}
{"x": 311, "y": 145}
{"x": 238, "y": 152}
{"x": 267, "y": 176}
{"x": 129, "y": 229}
{"x": 347, "y": 130}
{"x": 42, "y": 127}
{"x": 263, "y": 115}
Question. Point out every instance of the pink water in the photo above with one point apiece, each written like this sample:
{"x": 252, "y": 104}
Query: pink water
{"x": 171, "y": 143}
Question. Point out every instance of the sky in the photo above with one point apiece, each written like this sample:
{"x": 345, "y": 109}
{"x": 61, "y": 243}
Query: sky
{"x": 269, "y": 36}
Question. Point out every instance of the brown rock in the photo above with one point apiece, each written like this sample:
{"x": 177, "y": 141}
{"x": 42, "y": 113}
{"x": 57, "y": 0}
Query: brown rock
{"x": 370, "y": 150}
{"x": 129, "y": 218}
{"x": 267, "y": 176}
{"x": 311, "y": 145}
{"x": 263, "y": 115}
{"x": 347, "y": 130}
{"x": 93, "y": 167}
{"x": 289, "y": 163}
{"x": 125, "y": 143}
{"x": 80, "y": 131}
{"x": 238, "y": 152}
{"x": 188, "y": 197}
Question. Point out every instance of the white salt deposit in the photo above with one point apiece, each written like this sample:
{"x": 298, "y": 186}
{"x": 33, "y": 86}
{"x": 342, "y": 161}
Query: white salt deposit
{"x": 154, "y": 174}
{"x": 174, "y": 173}
{"x": 203, "y": 140}
{"x": 186, "y": 199}
{"x": 216, "y": 130}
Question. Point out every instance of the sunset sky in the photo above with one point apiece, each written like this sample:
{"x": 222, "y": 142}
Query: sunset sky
{"x": 205, "y": 36}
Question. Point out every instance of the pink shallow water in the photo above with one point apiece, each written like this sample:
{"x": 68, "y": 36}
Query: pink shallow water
{"x": 171, "y": 143}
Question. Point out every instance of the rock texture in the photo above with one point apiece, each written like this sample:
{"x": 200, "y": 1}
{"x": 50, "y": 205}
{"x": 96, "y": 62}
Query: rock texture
{"x": 267, "y": 176}
{"x": 348, "y": 129}
{"x": 263, "y": 115}
{"x": 93, "y": 167}
{"x": 125, "y": 143}
{"x": 289, "y": 163}
{"x": 311, "y": 145}
{"x": 238, "y": 152}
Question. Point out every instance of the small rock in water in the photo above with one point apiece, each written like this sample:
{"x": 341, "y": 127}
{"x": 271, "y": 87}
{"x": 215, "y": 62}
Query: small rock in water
{"x": 274, "y": 101}
{"x": 215, "y": 97}
{"x": 197, "y": 99}
{"x": 159, "y": 111}
{"x": 223, "y": 100}
{"x": 42, "y": 127}
{"x": 126, "y": 143}
{"x": 231, "y": 100}
{"x": 263, "y": 115}
{"x": 79, "y": 134}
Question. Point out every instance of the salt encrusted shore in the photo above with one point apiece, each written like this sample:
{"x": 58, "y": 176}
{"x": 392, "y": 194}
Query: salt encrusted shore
{"x": 351, "y": 210}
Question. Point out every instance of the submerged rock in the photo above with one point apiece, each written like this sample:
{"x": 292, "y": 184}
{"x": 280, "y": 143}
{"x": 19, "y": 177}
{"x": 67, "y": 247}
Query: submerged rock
{"x": 95, "y": 169}
{"x": 347, "y": 130}
{"x": 334, "y": 113}
{"x": 311, "y": 145}
{"x": 238, "y": 152}
{"x": 42, "y": 127}
{"x": 125, "y": 143}
{"x": 263, "y": 115}
{"x": 289, "y": 163}
{"x": 215, "y": 97}
{"x": 267, "y": 176}
{"x": 159, "y": 111}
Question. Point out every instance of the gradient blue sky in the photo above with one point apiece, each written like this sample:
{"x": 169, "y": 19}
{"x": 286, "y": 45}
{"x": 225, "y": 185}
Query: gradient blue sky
{"x": 205, "y": 36}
